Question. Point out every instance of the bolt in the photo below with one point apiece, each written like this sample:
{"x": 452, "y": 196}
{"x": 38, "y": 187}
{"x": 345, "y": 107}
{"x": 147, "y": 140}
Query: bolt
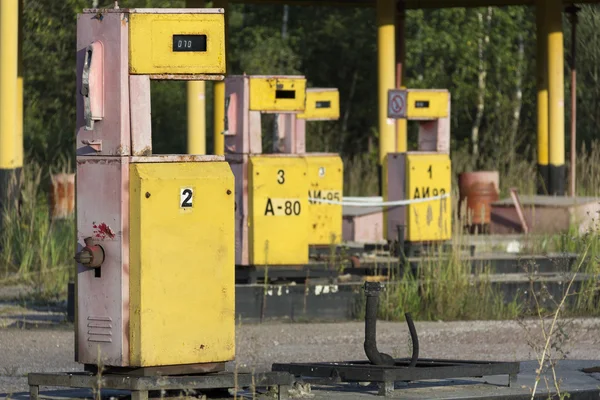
{"x": 228, "y": 191}
{"x": 147, "y": 195}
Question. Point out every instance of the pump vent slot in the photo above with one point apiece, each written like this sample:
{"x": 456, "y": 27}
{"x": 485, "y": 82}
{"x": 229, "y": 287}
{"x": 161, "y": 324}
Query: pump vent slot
{"x": 285, "y": 94}
{"x": 99, "y": 329}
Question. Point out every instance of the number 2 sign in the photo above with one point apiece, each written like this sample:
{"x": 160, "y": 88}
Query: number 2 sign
{"x": 186, "y": 198}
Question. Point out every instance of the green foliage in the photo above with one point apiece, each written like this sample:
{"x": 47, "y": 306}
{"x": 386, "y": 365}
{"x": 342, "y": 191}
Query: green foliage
{"x": 33, "y": 248}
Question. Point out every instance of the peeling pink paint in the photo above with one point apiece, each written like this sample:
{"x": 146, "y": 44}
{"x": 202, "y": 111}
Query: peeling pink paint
{"x": 102, "y": 231}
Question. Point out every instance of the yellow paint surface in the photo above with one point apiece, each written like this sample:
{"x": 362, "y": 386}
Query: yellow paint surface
{"x": 279, "y": 214}
{"x": 428, "y": 175}
{"x": 151, "y": 44}
{"x": 181, "y": 264}
{"x": 386, "y": 73}
{"x": 321, "y": 104}
{"x": 427, "y": 104}
{"x": 277, "y": 94}
{"x": 326, "y": 181}
{"x": 10, "y": 156}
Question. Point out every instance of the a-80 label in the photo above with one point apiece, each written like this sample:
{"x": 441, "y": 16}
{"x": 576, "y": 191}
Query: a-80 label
{"x": 282, "y": 207}
{"x": 331, "y": 195}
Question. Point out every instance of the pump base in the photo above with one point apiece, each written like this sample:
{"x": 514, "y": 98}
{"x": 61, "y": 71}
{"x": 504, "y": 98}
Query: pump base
{"x": 186, "y": 369}
{"x": 140, "y": 386}
{"x": 385, "y": 376}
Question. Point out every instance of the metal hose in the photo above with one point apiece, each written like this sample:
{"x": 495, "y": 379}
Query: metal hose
{"x": 415, "y": 340}
{"x": 372, "y": 290}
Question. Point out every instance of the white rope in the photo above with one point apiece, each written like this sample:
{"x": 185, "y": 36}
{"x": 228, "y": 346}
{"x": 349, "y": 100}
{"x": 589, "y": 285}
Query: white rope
{"x": 380, "y": 203}
{"x": 364, "y": 199}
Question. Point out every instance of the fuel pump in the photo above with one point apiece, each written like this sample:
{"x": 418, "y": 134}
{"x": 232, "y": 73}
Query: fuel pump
{"x": 325, "y": 170}
{"x": 271, "y": 216}
{"x": 155, "y": 233}
{"x": 419, "y": 180}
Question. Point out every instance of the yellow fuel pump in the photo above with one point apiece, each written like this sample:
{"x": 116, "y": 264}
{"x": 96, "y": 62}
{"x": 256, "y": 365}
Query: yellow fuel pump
{"x": 419, "y": 181}
{"x": 155, "y": 233}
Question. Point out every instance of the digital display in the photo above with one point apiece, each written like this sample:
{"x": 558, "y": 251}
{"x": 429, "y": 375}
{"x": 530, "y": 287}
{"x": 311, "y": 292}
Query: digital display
{"x": 189, "y": 42}
{"x": 421, "y": 104}
{"x": 323, "y": 104}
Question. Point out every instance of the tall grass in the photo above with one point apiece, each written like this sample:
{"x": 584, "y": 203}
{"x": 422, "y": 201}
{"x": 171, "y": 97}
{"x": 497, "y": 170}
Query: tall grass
{"x": 35, "y": 250}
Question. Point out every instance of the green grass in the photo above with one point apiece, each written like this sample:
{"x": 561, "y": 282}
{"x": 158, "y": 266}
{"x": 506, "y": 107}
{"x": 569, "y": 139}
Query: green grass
{"x": 38, "y": 252}
{"x": 34, "y": 249}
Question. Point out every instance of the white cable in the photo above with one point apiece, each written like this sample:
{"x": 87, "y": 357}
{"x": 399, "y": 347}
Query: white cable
{"x": 379, "y": 204}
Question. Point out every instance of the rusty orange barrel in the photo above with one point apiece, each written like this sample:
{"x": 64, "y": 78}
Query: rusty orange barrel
{"x": 62, "y": 196}
{"x": 479, "y": 190}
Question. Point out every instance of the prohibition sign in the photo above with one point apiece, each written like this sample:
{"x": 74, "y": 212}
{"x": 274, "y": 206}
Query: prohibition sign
{"x": 397, "y": 104}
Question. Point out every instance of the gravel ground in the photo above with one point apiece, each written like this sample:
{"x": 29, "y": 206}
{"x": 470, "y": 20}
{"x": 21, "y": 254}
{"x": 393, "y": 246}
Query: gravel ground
{"x": 258, "y": 346}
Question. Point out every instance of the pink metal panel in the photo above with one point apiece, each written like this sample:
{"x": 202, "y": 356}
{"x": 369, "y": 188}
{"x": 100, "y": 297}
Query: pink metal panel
{"x": 113, "y": 130}
{"x": 291, "y": 134}
{"x": 435, "y": 135}
{"x": 239, "y": 167}
{"x": 545, "y": 214}
{"x": 140, "y": 111}
{"x": 254, "y": 133}
{"x": 96, "y": 81}
{"x": 396, "y": 179}
{"x": 300, "y": 135}
{"x": 237, "y": 139}
{"x": 365, "y": 228}
{"x": 348, "y": 229}
{"x": 103, "y": 294}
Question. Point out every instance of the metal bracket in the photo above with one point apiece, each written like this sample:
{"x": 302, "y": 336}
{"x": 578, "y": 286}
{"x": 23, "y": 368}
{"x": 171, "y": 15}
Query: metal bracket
{"x": 95, "y": 144}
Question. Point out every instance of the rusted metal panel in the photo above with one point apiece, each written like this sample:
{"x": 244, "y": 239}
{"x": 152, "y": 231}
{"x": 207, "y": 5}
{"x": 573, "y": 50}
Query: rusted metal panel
{"x": 176, "y": 158}
{"x": 140, "y": 109}
{"x": 103, "y": 293}
{"x": 187, "y": 77}
{"x": 111, "y": 134}
{"x": 154, "y": 10}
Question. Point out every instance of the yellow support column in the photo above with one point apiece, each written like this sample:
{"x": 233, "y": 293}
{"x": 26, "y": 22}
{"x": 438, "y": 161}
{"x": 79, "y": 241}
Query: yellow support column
{"x": 401, "y": 124}
{"x": 386, "y": 74}
{"x": 11, "y": 159}
{"x": 196, "y": 106}
{"x": 19, "y": 144}
{"x": 542, "y": 97}
{"x": 556, "y": 97}
{"x": 219, "y": 91}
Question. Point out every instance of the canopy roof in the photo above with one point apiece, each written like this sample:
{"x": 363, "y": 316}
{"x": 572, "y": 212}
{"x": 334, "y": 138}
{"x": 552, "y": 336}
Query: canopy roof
{"x": 410, "y": 4}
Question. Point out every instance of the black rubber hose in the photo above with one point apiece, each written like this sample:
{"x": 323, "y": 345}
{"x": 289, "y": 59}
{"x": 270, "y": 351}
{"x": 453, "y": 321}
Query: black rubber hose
{"x": 415, "y": 340}
{"x": 372, "y": 290}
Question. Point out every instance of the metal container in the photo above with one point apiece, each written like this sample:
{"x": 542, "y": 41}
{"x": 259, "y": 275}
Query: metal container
{"x": 479, "y": 190}
{"x": 62, "y": 196}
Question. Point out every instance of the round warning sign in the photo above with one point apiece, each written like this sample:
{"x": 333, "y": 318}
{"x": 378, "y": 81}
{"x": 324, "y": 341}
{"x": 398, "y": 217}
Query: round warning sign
{"x": 397, "y": 104}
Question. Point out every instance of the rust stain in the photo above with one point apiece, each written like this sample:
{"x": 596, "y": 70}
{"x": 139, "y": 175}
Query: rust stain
{"x": 102, "y": 231}
{"x": 146, "y": 151}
